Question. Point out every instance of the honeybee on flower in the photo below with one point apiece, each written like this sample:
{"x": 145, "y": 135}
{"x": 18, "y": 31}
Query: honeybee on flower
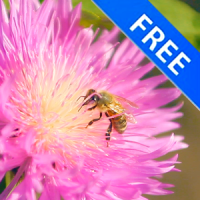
{"x": 112, "y": 106}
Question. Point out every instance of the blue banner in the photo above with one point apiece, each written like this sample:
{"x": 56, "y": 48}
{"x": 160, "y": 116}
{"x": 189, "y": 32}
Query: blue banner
{"x": 159, "y": 40}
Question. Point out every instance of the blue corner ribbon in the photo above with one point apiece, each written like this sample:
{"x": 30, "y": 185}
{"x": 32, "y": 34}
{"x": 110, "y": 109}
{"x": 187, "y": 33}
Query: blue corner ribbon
{"x": 159, "y": 40}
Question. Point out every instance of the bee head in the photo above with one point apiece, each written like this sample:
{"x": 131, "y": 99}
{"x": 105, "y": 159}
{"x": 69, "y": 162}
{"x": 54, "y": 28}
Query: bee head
{"x": 89, "y": 92}
{"x": 93, "y": 99}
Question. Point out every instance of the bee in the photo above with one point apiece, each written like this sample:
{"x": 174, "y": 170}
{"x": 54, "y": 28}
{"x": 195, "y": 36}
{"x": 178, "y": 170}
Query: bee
{"x": 115, "y": 108}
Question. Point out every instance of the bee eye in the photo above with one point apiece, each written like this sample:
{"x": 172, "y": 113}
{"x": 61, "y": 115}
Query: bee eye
{"x": 95, "y": 98}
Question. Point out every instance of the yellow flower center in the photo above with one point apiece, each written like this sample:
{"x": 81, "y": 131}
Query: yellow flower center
{"x": 49, "y": 106}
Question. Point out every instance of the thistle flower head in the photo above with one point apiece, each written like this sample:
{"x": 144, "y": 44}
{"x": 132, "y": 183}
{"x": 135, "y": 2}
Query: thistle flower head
{"x": 47, "y": 63}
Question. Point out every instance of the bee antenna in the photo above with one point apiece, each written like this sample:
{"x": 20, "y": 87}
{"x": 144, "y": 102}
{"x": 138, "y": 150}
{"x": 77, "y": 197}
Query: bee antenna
{"x": 80, "y": 107}
{"x": 80, "y": 97}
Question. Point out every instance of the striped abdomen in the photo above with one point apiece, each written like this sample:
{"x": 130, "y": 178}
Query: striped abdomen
{"x": 119, "y": 122}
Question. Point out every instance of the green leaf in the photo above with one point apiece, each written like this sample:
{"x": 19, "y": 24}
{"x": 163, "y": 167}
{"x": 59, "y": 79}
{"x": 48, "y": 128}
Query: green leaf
{"x": 6, "y": 2}
{"x": 91, "y": 14}
{"x": 89, "y": 18}
{"x": 8, "y": 178}
{"x": 89, "y": 6}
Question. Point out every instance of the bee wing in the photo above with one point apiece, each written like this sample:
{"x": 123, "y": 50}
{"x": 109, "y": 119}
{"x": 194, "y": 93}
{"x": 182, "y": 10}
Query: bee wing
{"x": 128, "y": 105}
{"x": 128, "y": 108}
{"x": 130, "y": 118}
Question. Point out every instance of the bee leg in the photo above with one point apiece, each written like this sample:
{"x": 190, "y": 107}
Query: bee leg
{"x": 94, "y": 120}
{"x": 92, "y": 108}
{"x": 109, "y": 130}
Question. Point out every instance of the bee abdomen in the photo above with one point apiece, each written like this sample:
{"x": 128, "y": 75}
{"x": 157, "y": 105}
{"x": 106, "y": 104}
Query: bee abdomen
{"x": 120, "y": 123}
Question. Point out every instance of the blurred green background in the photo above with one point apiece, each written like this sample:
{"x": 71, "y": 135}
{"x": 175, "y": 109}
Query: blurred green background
{"x": 185, "y": 16}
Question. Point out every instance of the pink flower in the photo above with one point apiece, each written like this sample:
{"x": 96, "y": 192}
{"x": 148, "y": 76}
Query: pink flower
{"x": 47, "y": 62}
